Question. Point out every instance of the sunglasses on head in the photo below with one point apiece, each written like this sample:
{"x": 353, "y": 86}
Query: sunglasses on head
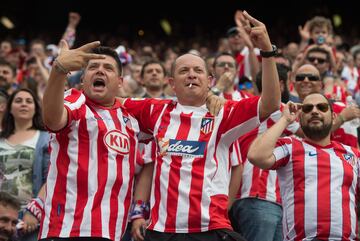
{"x": 222, "y": 64}
{"x": 311, "y": 77}
{"x": 307, "y": 108}
{"x": 319, "y": 60}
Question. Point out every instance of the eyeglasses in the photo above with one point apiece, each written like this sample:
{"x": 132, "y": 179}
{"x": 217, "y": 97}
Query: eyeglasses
{"x": 307, "y": 108}
{"x": 311, "y": 77}
{"x": 319, "y": 60}
{"x": 222, "y": 64}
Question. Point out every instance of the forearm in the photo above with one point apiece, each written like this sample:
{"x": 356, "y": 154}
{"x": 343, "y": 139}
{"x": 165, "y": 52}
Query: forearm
{"x": 236, "y": 173}
{"x": 261, "y": 150}
{"x": 143, "y": 184}
{"x": 270, "y": 96}
{"x": 53, "y": 101}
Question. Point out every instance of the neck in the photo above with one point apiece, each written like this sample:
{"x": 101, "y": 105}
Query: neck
{"x": 154, "y": 93}
{"x": 196, "y": 102}
{"x": 323, "y": 142}
{"x": 23, "y": 125}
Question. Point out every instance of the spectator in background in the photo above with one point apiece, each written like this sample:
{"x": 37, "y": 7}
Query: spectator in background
{"x": 9, "y": 209}
{"x": 24, "y": 155}
{"x": 243, "y": 49}
{"x": 3, "y": 101}
{"x": 153, "y": 79}
{"x": 8, "y": 76}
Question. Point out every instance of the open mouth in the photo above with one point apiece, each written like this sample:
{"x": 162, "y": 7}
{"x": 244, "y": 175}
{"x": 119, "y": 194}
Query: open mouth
{"x": 190, "y": 85}
{"x": 99, "y": 83}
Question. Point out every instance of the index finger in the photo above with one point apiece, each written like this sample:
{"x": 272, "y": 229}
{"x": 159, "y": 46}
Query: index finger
{"x": 87, "y": 47}
{"x": 94, "y": 56}
{"x": 252, "y": 20}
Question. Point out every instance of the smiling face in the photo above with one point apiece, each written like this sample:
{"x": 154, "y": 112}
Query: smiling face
{"x": 101, "y": 81}
{"x": 23, "y": 106}
{"x": 191, "y": 80}
{"x": 305, "y": 86}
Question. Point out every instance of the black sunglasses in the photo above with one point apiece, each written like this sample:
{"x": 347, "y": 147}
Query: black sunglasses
{"x": 307, "y": 108}
{"x": 311, "y": 77}
{"x": 319, "y": 60}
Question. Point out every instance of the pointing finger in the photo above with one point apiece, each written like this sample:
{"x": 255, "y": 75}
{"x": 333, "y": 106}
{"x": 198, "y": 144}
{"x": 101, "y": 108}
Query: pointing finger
{"x": 94, "y": 56}
{"x": 89, "y": 46}
{"x": 252, "y": 20}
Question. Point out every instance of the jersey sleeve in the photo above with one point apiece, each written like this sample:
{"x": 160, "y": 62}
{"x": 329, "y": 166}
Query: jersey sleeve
{"x": 282, "y": 152}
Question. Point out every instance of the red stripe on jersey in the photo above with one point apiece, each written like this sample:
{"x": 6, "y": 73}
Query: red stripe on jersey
{"x": 264, "y": 182}
{"x": 58, "y": 202}
{"x": 165, "y": 121}
{"x": 102, "y": 175}
{"x": 74, "y": 96}
{"x": 345, "y": 190}
{"x": 174, "y": 173}
{"x": 255, "y": 179}
{"x": 323, "y": 194}
{"x": 299, "y": 188}
{"x": 195, "y": 194}
{"x": 82, "y": 177}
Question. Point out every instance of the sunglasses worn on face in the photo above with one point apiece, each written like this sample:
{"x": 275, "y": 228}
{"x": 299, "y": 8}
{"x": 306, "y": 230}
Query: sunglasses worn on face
{"x": 307, "y": 108}
{"x": 222, "y": 64}
{"x": 319, "y": 60}
{"x": 311, "y": 77}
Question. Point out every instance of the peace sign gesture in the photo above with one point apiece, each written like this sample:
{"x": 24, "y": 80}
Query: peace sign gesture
{"x": 75, "y": 59}
{"x": 258, "y": 33}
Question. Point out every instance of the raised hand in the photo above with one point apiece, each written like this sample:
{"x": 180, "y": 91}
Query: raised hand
{"x": 258, "y": 33}
{"x": 291, "y": 111}
{"x": 74, "y": 19}
{"x": 75, "y": 59}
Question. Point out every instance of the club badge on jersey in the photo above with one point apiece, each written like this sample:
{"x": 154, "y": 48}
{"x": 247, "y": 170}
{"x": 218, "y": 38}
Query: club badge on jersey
{"x": 207, "y": 125}
{"x": 349, "y": 158}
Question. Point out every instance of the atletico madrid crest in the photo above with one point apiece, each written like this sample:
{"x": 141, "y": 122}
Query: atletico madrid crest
{"x": 207, "y": 125}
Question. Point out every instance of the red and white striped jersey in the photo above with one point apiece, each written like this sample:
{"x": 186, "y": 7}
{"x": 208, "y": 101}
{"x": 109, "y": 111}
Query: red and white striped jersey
{"x": 347, "y": 132}
{"x": 90, "y": 179}
{"x": 192, "y": 168}
{"x": 318, "y": 187}
{"x": 257, "y": 182}
{"x": 236, "y": 95}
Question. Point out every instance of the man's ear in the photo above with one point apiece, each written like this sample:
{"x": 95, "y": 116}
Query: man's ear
{"x": 121, "y": 80}
{"x": 171, "y": 83}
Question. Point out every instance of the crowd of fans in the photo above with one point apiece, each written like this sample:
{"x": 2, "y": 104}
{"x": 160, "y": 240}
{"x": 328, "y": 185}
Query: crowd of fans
{"x": 25, "y": 70}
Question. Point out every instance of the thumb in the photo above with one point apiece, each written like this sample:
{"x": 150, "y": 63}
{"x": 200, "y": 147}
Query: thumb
{"x": 63, "y": 45}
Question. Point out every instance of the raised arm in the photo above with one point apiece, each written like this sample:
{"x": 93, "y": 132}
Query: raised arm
{"x": 261, "y": 150}
{"x": 54, "y": 112}
{"x": 270, "y": 96}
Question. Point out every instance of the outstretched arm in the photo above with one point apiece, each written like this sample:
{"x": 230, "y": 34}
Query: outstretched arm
{"x": 54, "y": 113}
{"x": 270, "y": 96}
{"x": 261, "y": 150}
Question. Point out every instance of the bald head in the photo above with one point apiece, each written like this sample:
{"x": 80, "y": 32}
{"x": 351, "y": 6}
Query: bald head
{"x": 307, "y": 81}
{"x": 308, "y": 68}
{"x": 186, "y": 57}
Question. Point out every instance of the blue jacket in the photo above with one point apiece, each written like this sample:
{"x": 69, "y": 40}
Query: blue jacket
{"x": 41, "y": 162}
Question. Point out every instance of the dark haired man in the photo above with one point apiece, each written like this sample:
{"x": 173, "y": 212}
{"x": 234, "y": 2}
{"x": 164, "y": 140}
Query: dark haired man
{"x": 93, "y": 148}
{"x": 9, "y": 209}
{"x": 319, "y": 178}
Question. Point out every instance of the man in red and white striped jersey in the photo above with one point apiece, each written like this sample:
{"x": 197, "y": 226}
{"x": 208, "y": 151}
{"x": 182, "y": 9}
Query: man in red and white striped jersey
{"x": 93, "y": 149}
{"x": 257, "y": 212}
{"x": 318, "y": 177}
{"x": 193, "y": 172}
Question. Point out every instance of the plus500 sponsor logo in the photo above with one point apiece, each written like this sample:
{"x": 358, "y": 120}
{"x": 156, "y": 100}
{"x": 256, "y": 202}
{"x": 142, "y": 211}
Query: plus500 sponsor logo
{"x": 186, "y": 148}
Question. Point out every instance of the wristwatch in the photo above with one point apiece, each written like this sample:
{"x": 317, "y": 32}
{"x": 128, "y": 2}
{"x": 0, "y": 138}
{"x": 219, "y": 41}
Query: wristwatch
{"x": 268, "y": 54}
{"x": 215, "y": 91}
